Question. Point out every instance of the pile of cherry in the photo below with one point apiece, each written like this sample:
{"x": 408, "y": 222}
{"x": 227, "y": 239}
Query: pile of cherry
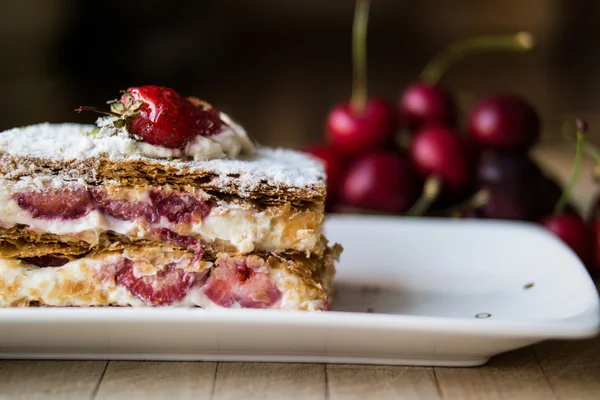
{"x": 412, "y": 158}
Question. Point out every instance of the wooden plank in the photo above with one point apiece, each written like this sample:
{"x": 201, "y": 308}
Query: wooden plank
{"x": 49, "y": 379}
{"x": 511, "y": 376}
{"x": 572, "y": 368}
{"x": 270, "y": 381}
{"x": 381, "y": 382}
{"x": 157, "y": 380}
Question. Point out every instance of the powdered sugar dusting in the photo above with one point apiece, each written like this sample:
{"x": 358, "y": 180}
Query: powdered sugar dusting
{"x": 76, "y": 142}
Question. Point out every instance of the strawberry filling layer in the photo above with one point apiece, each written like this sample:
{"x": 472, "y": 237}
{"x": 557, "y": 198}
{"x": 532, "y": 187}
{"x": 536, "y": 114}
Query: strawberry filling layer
{"x": 233, "y": 283}
{"x": 168, "y": 286}
{"x": 71, "y": 203}
{"x": 87, "y": 212}
{"x": 62, "y": 204}
{"x": 241, "y": 283}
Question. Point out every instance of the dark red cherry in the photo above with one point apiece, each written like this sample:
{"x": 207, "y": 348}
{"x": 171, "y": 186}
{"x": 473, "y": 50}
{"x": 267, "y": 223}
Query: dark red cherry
{"x": 504, "y": 122}
{"x": 334, "y": 162}
{"x": 572, "y": 230}
{"x": 422, "y": 103}
{"x": 380, "y": 181}
{"x": 355, "y": 132}
{"x": 439, "y": 151}
{"x": 594, "y": 229}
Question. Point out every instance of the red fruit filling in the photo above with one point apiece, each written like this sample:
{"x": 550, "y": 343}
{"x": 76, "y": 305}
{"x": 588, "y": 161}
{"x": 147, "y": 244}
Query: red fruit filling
{"x": 178, "y": 208}
{"x": 187, "y": 242}
{"x": 241, "y": 282}
{"x": 166, "y": 287}
{"x": 47, "y": 261}
{"x": 65, "y": 204}
{"x": 76, "y": 203}
{"x": 123, "y": 209}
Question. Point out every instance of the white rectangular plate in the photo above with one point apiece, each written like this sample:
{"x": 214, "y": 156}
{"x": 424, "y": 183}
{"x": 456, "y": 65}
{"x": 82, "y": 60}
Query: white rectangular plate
{"x": 410, "y": 291}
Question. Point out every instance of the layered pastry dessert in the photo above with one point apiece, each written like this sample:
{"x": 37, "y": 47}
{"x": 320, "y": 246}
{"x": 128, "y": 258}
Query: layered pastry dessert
{"x": 165, "y": 201}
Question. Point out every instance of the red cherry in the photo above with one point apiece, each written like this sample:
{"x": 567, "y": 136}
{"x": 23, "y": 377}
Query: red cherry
{"x": 354, "y": 133}
{"x": 504, "y": 122}
{"x": 439, "y": 151}
{"x": 334, "y": 167}
{"x": 380, "y": 181}
{"x": 572, "y": 230}
{"x": 594, "y": 228}
{"x": 422, "y": 103}
{"x": 594, "y": 264}
{"x": 567, "y": 224}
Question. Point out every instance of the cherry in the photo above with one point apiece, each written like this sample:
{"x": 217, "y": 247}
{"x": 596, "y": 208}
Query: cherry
{"x": 334, "y": 167}
{"x": 502, "y": 169}
{"x": 498, "y": 167}
{"x": 426, "y": 101}
{"x": 569, "y": 226}
{"x": 594, "y": 229}
{"x": 423, "y": 103}
{"x": 355, "y": 132}
{"x": 363, "y": 123}
{"x": 380, "y": 181}
{"x": 439, "y": 151}
{"x": 513, "y": 201}
{"x": 549, "y": 195}
{"x": 504, "y": 122}
{"x": 572, "y": 230}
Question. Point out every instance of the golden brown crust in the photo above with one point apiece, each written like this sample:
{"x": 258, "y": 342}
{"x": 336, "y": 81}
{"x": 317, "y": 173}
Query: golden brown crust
{"x": 22, "y": 242}
{"x": 144, "y": 172}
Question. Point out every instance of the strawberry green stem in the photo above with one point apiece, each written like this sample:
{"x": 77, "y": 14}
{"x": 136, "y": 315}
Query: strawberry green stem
{"x": 566, "y": 194}
{"x": 358, "y": 101}
{"x": 431, "y": 191}
{"x": 433, "y": 71}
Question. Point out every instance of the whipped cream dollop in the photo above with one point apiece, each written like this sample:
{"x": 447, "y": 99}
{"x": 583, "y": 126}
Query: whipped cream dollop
{"x": 230, "y": 142}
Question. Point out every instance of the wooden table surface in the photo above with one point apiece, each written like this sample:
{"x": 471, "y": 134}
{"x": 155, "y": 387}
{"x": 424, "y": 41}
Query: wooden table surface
{"x": 545, "y": 371}
{"x": 550, "y": 370}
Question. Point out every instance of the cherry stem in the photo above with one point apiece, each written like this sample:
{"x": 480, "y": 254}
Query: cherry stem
{"x": 96, "y": 110}
{"x": 589, "y": 148}
{"x": 358, "y": 101}
{"x": 433, "y": 71}
{"x": 479, "y": 199}
{"x": 581, "y": 127}
{"x": 431, "y": 191}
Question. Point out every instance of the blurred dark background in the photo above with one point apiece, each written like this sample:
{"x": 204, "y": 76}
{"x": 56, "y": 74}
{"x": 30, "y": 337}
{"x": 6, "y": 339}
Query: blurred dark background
{"x": 278, "y": 66}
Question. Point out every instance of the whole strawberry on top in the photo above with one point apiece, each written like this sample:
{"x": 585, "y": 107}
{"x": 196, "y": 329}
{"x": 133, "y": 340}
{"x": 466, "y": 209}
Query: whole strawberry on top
{"x": 160, "y": 116}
